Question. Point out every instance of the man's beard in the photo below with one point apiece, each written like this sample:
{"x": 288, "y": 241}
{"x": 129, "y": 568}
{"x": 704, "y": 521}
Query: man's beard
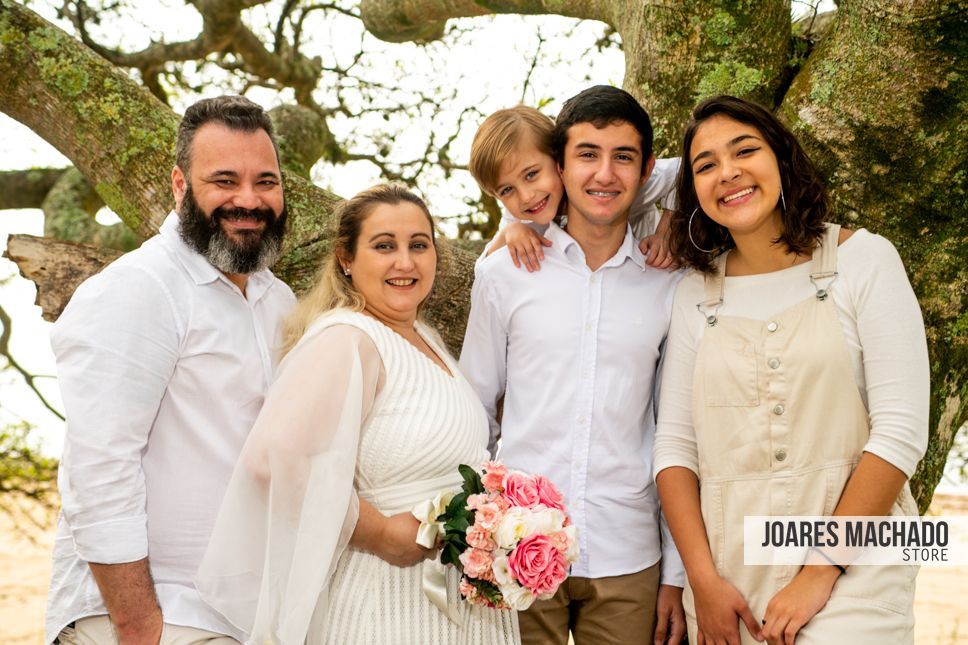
{"x": 251, "y": 251}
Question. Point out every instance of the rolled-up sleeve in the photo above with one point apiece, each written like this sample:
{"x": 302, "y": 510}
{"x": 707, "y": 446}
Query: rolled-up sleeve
{"x": 895, "y": 352}
{"x": 116, "y": 346}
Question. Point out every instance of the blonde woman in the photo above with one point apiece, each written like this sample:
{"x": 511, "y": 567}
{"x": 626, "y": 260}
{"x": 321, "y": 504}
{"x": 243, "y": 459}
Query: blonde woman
{"x": 368, "y": 416}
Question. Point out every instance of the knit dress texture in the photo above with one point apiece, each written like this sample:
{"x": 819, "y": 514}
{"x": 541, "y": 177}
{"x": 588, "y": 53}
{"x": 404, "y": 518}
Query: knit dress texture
{"x": 423, "y": 425}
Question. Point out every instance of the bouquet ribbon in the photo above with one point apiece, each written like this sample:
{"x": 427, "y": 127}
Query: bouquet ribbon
{"x": 439, "y": 581}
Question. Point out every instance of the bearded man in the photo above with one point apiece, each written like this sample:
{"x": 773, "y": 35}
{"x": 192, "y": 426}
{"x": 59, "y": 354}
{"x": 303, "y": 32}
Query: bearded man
{"x": 163, "y": 360}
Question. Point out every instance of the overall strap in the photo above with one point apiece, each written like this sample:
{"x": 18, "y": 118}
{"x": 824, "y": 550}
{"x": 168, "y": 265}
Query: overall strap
{"x": 825, "y": 261}
{"x": 715, "y": 285}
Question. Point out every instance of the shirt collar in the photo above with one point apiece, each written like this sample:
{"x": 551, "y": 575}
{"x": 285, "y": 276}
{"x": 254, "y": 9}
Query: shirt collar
{"x": 200, "y": 269}
{"x": 570, "y": 248}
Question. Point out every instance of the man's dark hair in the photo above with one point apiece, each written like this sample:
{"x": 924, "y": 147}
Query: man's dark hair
{"x": 601, "y": 105}
{"x": 234, "y": 112}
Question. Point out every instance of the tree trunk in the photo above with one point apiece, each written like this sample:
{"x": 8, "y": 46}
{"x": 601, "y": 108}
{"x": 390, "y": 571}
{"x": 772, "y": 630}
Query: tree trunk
{"x": 678, "y": 53}
{"x": 881, "y": 106}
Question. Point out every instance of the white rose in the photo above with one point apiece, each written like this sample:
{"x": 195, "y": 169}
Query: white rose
{"x": 545, "y": 520}
{"x": 512, "y": 528}
{"x": 517, "y": 597}
{"x": 502, "y": 571}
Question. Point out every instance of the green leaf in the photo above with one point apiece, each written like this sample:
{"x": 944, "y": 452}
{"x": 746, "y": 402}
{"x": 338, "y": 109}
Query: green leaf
{"x": 472, "y": 480}
{"x": 458, "y": 523}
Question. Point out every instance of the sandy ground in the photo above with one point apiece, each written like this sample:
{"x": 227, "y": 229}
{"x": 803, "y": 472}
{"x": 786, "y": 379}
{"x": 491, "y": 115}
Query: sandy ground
{"x": 940, "y": 606}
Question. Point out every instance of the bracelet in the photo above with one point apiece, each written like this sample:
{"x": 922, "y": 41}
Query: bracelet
{"x": 828, "y": 559}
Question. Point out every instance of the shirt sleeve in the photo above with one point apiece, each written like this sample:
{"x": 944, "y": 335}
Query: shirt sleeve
{"x": 675, "y": 437}
{"x": 116, "y": 346}
{"x": 291, "y": 508}
{"x": 658, "y": 192}
{"x": 895, "y": 354}
{"x": 483, "y": 358}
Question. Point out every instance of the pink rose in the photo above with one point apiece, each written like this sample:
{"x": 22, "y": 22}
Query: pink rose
{"x": 480, "y": 538}
{"x": 537, "y": 565}
{"x": 474, "y": 502}
{"x": 502, "y": 503}
{"x": 520, "y": 490}
{"x": 476, "y": 561}
{"x": 548, "y": 493}
{"x": 487, "y": 515}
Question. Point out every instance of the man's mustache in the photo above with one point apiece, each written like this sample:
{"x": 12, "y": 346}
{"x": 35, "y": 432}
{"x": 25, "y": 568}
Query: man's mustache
{"x": 259, "y": 214}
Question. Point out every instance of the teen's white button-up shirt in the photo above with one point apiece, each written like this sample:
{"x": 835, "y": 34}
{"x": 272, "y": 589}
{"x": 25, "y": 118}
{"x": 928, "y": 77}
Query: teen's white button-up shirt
{"x": 574, "y": 353}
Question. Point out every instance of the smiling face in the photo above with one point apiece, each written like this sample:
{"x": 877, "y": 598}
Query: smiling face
{"x": 394, "y": 262}
{"x": 736, "y": 177}
{"x": 230, "y": 203}
{"x": 529, "y": 185}
{"x": 603, "y": 171}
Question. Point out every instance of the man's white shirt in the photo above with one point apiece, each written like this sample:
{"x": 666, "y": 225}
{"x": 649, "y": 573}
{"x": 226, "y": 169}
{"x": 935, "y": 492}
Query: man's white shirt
{"x": 163, "y": 364}
{"x": 574, "y": 353}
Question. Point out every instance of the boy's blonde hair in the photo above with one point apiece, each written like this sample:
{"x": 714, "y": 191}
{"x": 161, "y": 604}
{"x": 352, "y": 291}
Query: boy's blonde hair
{"x": 500, "y": 135}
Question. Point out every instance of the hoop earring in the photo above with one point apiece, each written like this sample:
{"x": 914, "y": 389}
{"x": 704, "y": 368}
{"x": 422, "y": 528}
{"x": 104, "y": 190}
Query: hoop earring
{"x": 782, "y": 198}
{"x": 689, "y": 229}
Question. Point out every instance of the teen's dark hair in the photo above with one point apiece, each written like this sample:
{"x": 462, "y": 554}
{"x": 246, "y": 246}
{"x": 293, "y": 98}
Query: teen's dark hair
{"x": 806, "y": 200}
{"x": 234, "y": 112}
{"x": 601, "y": 105}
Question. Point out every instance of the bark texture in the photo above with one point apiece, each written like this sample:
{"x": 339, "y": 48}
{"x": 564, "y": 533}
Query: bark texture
{"x": 27, "y": 188}
{"x": 56, "y": 267}
{"x": 882, "y": 107}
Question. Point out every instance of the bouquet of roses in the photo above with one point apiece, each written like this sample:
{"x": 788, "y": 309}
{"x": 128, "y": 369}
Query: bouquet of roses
{"x": 507, "y": 532}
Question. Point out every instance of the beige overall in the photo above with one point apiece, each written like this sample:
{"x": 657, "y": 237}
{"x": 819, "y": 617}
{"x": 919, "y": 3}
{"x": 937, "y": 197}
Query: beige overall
{"x": 780, "y": 426}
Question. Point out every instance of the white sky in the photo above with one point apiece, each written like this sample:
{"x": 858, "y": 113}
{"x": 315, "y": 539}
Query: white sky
{"x": 495, "y": 58}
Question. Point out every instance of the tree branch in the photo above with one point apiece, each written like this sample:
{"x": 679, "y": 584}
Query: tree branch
{"x": 27, "y": 188}
{"x": 398, "y": 21}
{"x": 29, "y": 379}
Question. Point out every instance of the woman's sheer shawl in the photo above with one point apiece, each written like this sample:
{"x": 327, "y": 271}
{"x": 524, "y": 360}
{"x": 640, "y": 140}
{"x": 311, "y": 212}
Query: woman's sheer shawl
{"x": 290, "y": 507}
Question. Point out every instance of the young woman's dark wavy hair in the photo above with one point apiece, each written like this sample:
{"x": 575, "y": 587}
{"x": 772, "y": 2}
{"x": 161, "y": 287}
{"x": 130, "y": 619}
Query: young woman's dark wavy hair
{"x": 807, "y": 205}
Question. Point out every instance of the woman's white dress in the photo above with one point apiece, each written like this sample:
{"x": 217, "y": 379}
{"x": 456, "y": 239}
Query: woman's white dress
{"x": 356, "y": 410}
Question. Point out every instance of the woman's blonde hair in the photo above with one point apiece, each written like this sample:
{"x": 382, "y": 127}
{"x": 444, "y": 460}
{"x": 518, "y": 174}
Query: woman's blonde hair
{"x": 334, "y": 289}
{"x": 500, "y": 135}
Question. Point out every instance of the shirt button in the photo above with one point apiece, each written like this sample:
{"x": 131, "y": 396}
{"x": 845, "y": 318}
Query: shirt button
{"x": 772, "y": 326}
{"x": 774, "y": 363}
{"x": 778, "y": 409}
{"x": 582, "y": 420}
{"x": 780, "y": 454}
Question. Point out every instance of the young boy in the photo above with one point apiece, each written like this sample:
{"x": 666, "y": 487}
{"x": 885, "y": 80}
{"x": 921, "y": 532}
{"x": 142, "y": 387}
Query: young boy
{"x": 511, "y": 160}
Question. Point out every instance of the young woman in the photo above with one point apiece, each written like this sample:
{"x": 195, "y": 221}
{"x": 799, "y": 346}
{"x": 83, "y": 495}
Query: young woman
{"x": 368, "y": 416}
{"x": 795, "y": 383}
